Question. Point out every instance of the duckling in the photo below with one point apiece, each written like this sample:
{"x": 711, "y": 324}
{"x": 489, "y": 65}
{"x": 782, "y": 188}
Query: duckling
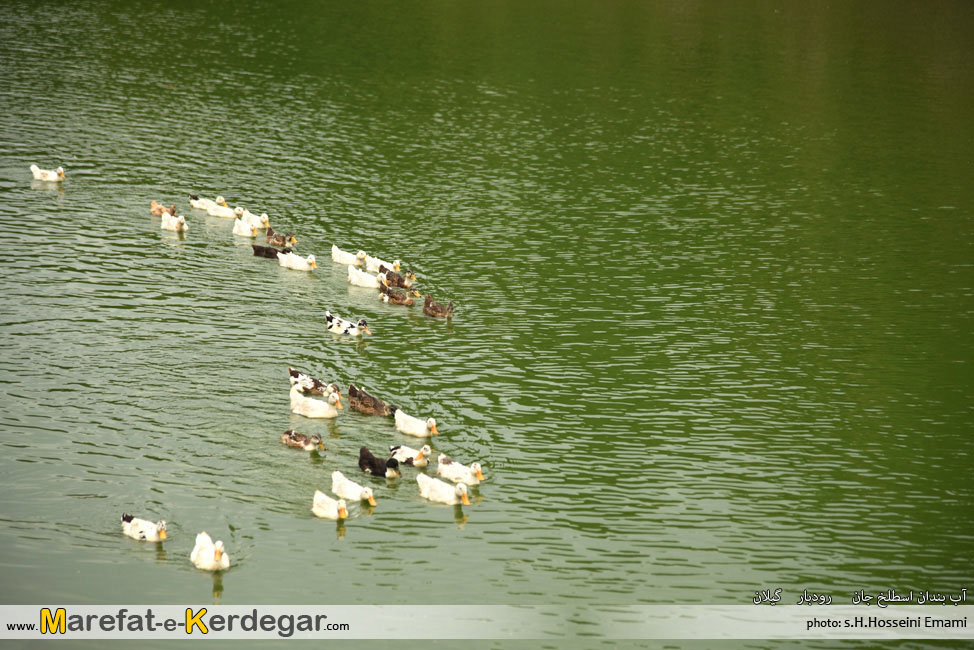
{"x": 397, "y": 297}
{"x": 158, "y": 209}
{"x": 327, "y": 508}
{"x": 398, "y": 279}
{"x": 143, "y": 529}
{"x": 209, "y": 556}
{"x": 268, "y": 251}
{"x": 451, "y": 469}
{"x": 341, "y": 257}
{"x": 431, "y": 308}
{"x": 436, "y": 490}
{"x": 205, "y": 204}
{"x": 311, "y": 386}
{"x": 349, "y": 489}
{"x": 278, "y": 239}
{"x": 341, "y": 326}
{"x": 169, "y": 222}
{"x": 377, "y": 466}
{"x": 415, "y": 426}
{"x": 296, "y": 262}
{"x": 244, "y": 229}
{"x": 292, "y": 438}
{"x": 252, "y": 219}
{"x": 314, "y": 408}
{"x": 55, "y": 176}
{"x": 374, "y": 264}
{"x": 359, "y": 400}
{"x": 363, "y": 279}
{"x": 409, "y": 456}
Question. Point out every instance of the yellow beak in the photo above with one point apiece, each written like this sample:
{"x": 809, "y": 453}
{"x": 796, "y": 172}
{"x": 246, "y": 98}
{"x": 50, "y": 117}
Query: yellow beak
{"x": 396, "y": 266}
{"x": 480, "y": 475}
{"x": 372, "y": 501}
{"x": 162, "y": 535}
{"x": 217, "y": 554}
{"x": 434, "y": 430}
{"x": 338, "y": 404}
{"x": 321, "y": 446}
{"x": 224, "y": 204}
{"x": 466, "y": 501}
{"x": 416, "y": 293}
{"x": 314, "y": 265}
{"x": 342, "y": 513}
{"x": 61, "y": 173}
{"x": 367, "y": 330}
{"x": 418, "y": 456}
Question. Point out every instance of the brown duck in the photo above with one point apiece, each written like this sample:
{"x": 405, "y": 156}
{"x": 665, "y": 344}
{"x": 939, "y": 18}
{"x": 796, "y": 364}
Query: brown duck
{"x": 397, "y": 297}
{"x": 268, "y": 251}
{"x": 157, "y": 209}
{"x": 362, "y": 401}
{"x": 297, "y": 440}
{"x": 398, "y": 279}
{"x": 278, "y": 239}
{"x": 432, "y": 308}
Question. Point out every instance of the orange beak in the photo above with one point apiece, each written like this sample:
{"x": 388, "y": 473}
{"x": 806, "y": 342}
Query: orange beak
{"x": 480, "y": 475}
{"x": 338, "y": 404}
{"x": 434, "y": 429}
{"x": 416, "y": 293}
{"x": 464, "y": 499}
{"x": 217, "y": 554}
{"x": 372, "y": 501}
{"x": 162, "y": 535}
{"x": 418, "y": 456}
{"x": 61, "y": 173}
{"x": 342, "y": 513}
{"x": 367, "y": 330}
{"x": 314, "y": 265}
{"x": 224, "y": 204}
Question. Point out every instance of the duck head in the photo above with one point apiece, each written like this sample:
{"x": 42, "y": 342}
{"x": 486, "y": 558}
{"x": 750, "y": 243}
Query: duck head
{"x": 265, "y": 220}
{"x": 368, "y": 496}
{"x": 476, "y": 469}
{"x": 392, "y": 469}
{"x": 335, "y": 399}
{"x": 362, "y": 325}
{"x": 342, "y": 509}
{"x": 311, "y": 258}
{"x": 290, "y": 240}
{"x": 425, "y": 452}
{"x": 416, "y": 294}
{"x": 218, "y": 551}
{"x": 360, "y": 255}
{"x": 461, "y": 491}
{"x": 221, "y": 201}
{"x": 316, "y": 439}
{"x": 238, "y": 211}
{"x": 431, "y": 425}
{"x": 162, "y": 530}
{"x": 60, "y": 172}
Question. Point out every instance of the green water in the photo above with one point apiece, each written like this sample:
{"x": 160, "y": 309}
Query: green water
{"x": 712, "y": 267}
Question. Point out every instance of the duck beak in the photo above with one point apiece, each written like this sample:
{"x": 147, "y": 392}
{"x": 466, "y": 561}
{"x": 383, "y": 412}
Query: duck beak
{"x": 418, "y": 456}
{"x": 321, "y": 446}
{"x": 465, "y": 499}
{"x": 480, "y": 475}
{"x": 217, "y": 554}
{"x": 224, "y": 204}
{"x": 415, "y": 293}
{"x": 61, "y": 173}
{"x": 366, "y": 329}
{"x": 372, "y": 501}
{"x": 342, "y": 513}
{"x": 396, "y": 267}
{"x": 338, "y": 404}
{"x": 434, "y": 431}
{"x": 314, "y": 265}
{"x": 294, "y": 240}
{"x": 162, "y": 535}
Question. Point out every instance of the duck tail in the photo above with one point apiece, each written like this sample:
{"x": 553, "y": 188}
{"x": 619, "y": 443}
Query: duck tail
{"x": 126, "y": 517}
{"x": 193, "y": 197}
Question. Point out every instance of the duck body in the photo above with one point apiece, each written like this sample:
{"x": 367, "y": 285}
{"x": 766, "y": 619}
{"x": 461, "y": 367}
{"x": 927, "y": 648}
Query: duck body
{"x": 441, "y": 492}
{"x": 410, "y": 425}
{"x": 369, "y": 464}
{"x": 349, "y": 489}
{"x": 224, "y": 211}
{"x": 396, "y": 297}
{"x": 157, "y": 209}
{"x": 398, "y": 279}
{"x": 342, "y": 257}
{"x": 432, "y": 308}
{"x": 205, "y": 204}
{"x": 279, "y": 239}
{"x": 208, "y": 555}
{"x": 268, "y": 251}
{"x": 327, "y": 508}
{"x": 178, "y": 224}
{"x": 339, "y": 325}
{"x": 296, "y": 262}
{"x": 374, "y": 264}
{"x": 257, "y": 221}
{"x": 314, "y": 408}
{"x": 243, "y": 229}
{"x": 363, "y": 279}
{"x": 303, "y": 441}
{"x": 53, "y": 176}
{"x": 458, "y": 473}
{"x": 311, "y": 386}
{"x": 143, "y": 529}
{"x": 361, "y": 401}
{"x": 409, "y": 456}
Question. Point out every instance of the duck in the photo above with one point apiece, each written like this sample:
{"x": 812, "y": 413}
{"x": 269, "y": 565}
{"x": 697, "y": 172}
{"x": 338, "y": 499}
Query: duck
{"x": 292, "y": 438}
{"x": 378, "y": 466}
{"x": 143, "y": 529}
{"x": 436, "y": 490}
{"x": 55, "y": 176}
{"x": 314, "y": 408}
{"x": 451, "y": 469}
{"x": 205, "y": 204}
{"x": 268, "y": 251}
{"x": 409, "y": 456}
{"x": 169, "y": 222}
{"x": 341, "y": 257}
{"x": 394, "y": 279}
{"x": 296, "y": 262}
{"x": 157, "y": 209}
{"x": 341, "y": 326}
{"x": 363, "y": 279}
{"x": 250, "y": 218}
{"x": 310, "y": 385}
{"x": 327, "y": 508}
{"x": 224, "y": 211}
{"x": 406, "y": 423}
{"x": 374, "y": 264}
{"x": 349, "y": 489}
{"x": 432, "y": 308}
{"x": 397, "y": 297}
{"x": 278, "y": 239}
{"x": 359, "y": 400}
{"x": 208, "y": 555}
{"x": 244, "y": 229}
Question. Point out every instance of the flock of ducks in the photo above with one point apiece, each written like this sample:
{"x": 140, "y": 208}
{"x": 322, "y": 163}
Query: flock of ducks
{"x": 395, "y": 287}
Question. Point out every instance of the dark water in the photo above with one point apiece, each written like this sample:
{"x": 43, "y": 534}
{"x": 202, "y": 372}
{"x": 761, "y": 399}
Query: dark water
{"x": 712, "y": 267}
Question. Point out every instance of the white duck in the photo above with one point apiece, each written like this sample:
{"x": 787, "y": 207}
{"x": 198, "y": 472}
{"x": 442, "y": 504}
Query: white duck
{"x": 373, "y": 264}
{"x": 252, "y": 219}
{"x": 363, "y": 279}
{"x": 209, "y": 556}
{"x": 414, "y": 426}
{"x": 224, "y": 211}
{"x": 314, "y": 408}
{"x": 349, "y": 489}
{"x": 170, "y": 222}
{"x": 296, "y": 262}
{"x": 56, "y": 175}
{"x": 205, "y": 204}
{"x": 436, "y": 490}
{"x": 327, "y": 508}
{"x": 341, "y": 257}
{"x": 451, "y": 469}
{"x": 341, "y": 326}
{"x": 409, "y": 456}
{"x": 143, "y": 529}
{"x": 244, "y": 229}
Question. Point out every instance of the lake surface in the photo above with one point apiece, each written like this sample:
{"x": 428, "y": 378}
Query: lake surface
{"x": 712, "y": 267}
